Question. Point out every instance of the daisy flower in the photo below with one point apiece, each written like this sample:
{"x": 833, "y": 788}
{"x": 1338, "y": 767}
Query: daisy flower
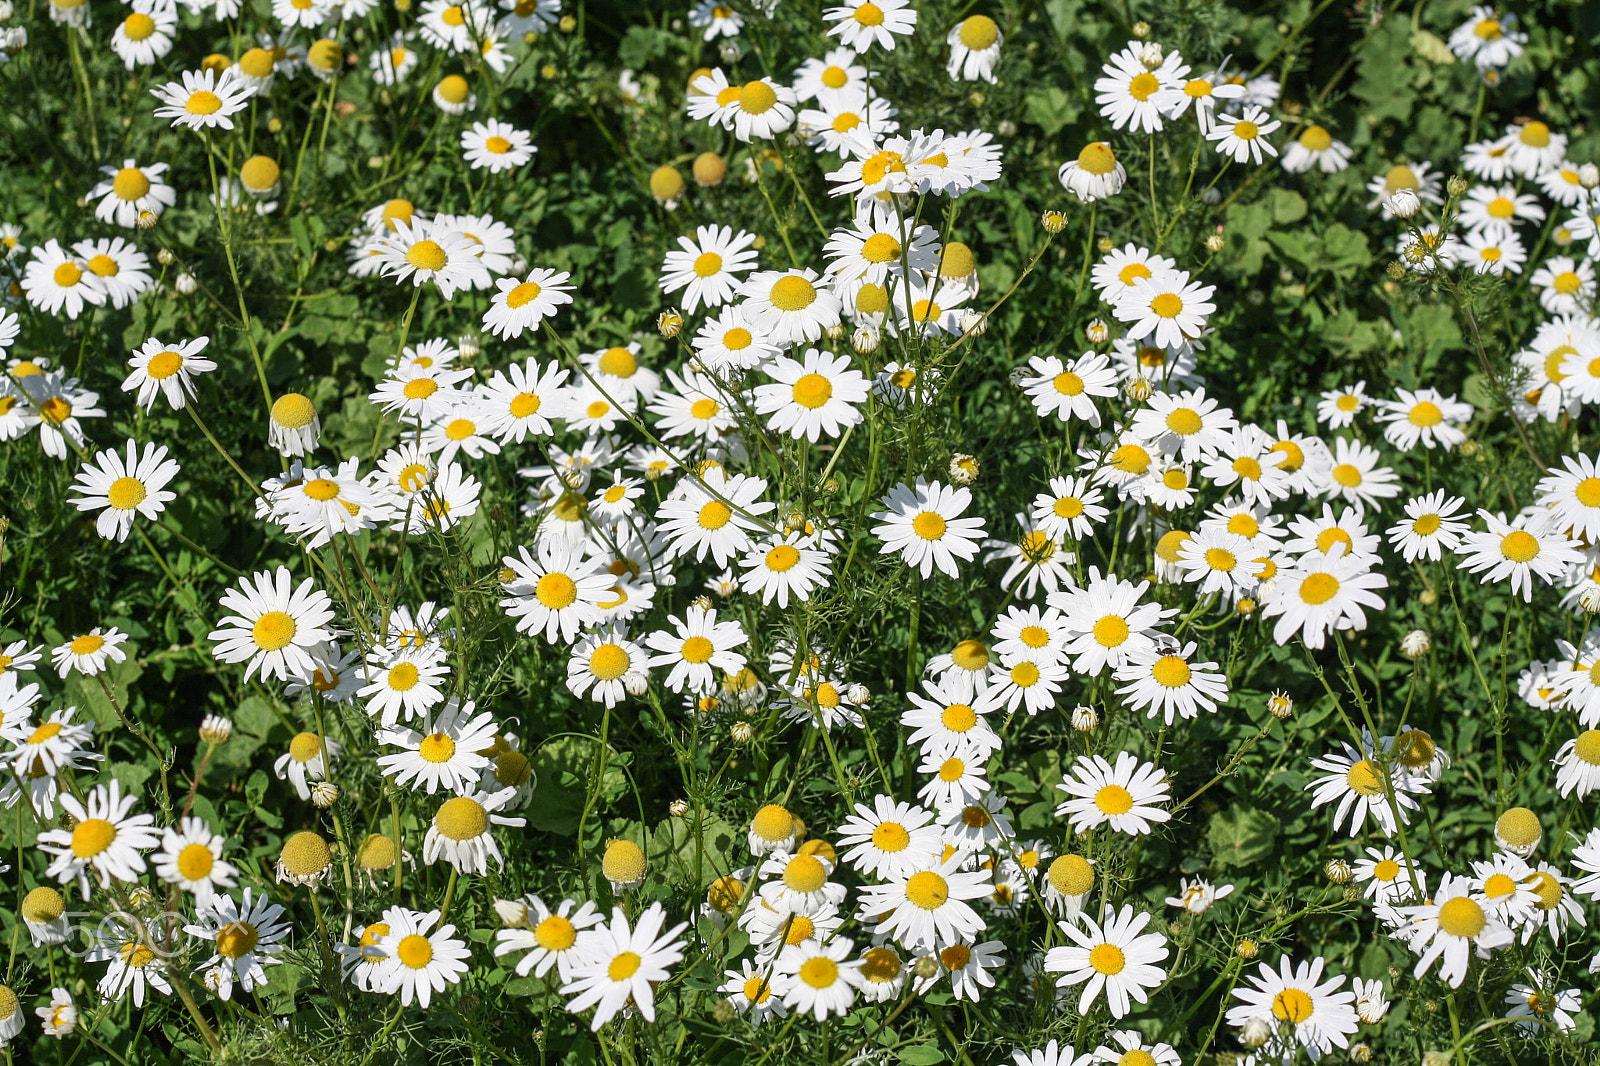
{"x": 710, "y": 268}
{"x": 1068, "y": 389}
{"x": 1316, "y": 147}
{"x": 974, "y": 49}
{"x": 1577, "y": 764}
{"x": 1122, "y": 268}
{"x": 123, "y": 270}
{"x": 1203, "y": 92}
{"x": 166, "y": 369}
{"x": 146, "y": 34}
{"x": 1113, "y": 955}
{"x": 202, "y": 100}
{"x": 1572, "y": 497}
{"x": 872, "y": 249}
{"x": 1167, "y": 307}
{"x": 60, "y": 1018}
{"x": 1168, "y": 681}
{"x": 1198, "y": 896}
{"x": 106, "y": 837}
{"x": 1356, "y": 780}
{"x": 446, "y": 752}
{"x": 497, "y": 146}
{"x": 619, "y": 964}
{"x": 1488, "y": 252}
{"x": 56, "y": 280}
{"x": 1126, "y": 92}
{"x": 813, "y": 397}
{"x": 1094, "y": 175}
{"x": 1220, "y": 561}
{"x": 836, "y": 72}
{"x": 751, "y": 992}
{"x": 461, "y": 832}
{"x": 191, "y": 858}
{"x": 1106, "y": 622}
{"x": 1451, "y": 926}
{"x": 716, "y": 514}
{"x": 1124, "y": 796}
{"x": 1565, "y": 287}
{"x": 777, "y": 569}
{"x": 557, "y": 593}
{"x": 1537, "y": 1004}
{"x": 1419, "y": 178}
{"x": 924, "y": 526}
{"x": 788, "y": 306}
{"x": 1430, "y": 527}
{"x": 955, "y": 775}
{"x": 763, "y": 109}
{"x": 1070, "y": 510}
{"x": 134, "y": 968}
{"x": 1354, "y": 475}
{"x": 306, "y": 762}
{"x": 1319, "y": 1015}
{"x": 518, "y": 306}
{"x": 599, "y": 664}
{"x": 273, "y": 628}
{"x": 860, "y": 26}
{"x": 549, "y": 936}
{"x": 699, "y": 650}
{"x": 244, "y": 935}
{"x": 1519, "y": 550}
{"x": 928, "y": 908}
{"x": 1244, "y": 138}
{"x": 1053, "y": 1054}
{"x": 1495, "y": 210}
{"x": 1489, "y": 39}
{"x": 419, "y": 959}
{"x": 1338, "y": 408}
{"x": 129, "y": 191}
{"x": 890, "y": 840}
{"x": 1322, "y": 593}
{"x": 90, "y": 653}
{"x": 422, "y": 252}
{"x": 119, "y": 488}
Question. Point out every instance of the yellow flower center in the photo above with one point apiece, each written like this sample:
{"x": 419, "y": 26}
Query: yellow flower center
{"x": 236, "y": 940}
{"x": 461, "y": 818}
{"x": 928, "y": 525}
{"x": 195, "y": 862}
{"x": 1319, "y": 588}
{"x": 92, "y": 836}
{"x": 1316, "y": 139}
{"x": 1171, "y": 671}
{"x": 1519, "y": 546}
{"x": 130, "y": 182}
{"x": 869, "y": 14}
{"x": 928, "y": 890}
{"x": 126, "y": 493}
{"x": 203, "y": 103}
{"x": 1462, "y": 917}
{"x": 427, "y": 255}
{"x": 1292, "y": 1006}
{"x": 1111, "y": 630}
{"x": 274, "y": 630}
{"x": 1167, "y": 305}
{"x": 757, "y": 97}
{"x": 715, "y": 515}
{"x": 793, "y": 293}
{"x": 1143, "y": 86}
{"x": 1363, "y": 779}
{"x": 812, "y": 391}
{"x": 821, "y": 971}
{"x": 1114, "y": 799}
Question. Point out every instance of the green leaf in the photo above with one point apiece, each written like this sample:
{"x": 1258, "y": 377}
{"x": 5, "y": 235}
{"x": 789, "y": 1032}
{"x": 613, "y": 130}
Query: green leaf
{"x": 1050, "y": 108}
{"x": 1241, "y": 836}
{"x": 921, "y": 1055}
{"x": 564, "y": 766}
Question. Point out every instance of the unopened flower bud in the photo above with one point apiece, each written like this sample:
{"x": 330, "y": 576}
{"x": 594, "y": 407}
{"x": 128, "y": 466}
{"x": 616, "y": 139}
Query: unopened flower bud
{"x": 679, "y": 808}
{"x": 1246, "y": 606}
{"x": 1097, "y": 331}
{"x": 1141, "y": 30}
{"x": 1469, "y": 448}
{"x": 1215, "y": 243}
{"x": 185, "y": 284}
{"x": 669, "y": 324}
{"x": 1589, "y": 175}
{"x": 1428, "y": 598}
{"x": 1590, "y": 600}
{"x": 730, "y": 52}
{"x": 636, "y": 682}
{"x": 974, "y": 323}
{"x": 1280, "y": 705}
{"x": 831, "y": 486}
{"x": 702, "y": 601}
{"x": 1352, "y": 893}
{"x": 834, "y": 332}
{"x": 976, "y": 99}
{"x": 5, "y": 10}
{"x": 1361, "y": 1053}
{"x": 215, "y": 729}
{"x": 1338, "y": 871}
{"x": 1084, "y": 718}
{"x": 742, "y": 732}
{"x": 1106, "y": 244}
{"x": 567, "y": 24}
{"x": 1151, "y": 55}
{"x": 147, "y": 220}
{"x": 324, "y": 794}
{"x": 963, "y": 468}
{"x": 1395, "y": 270}
{"x": 1456, "y": 186}
{"x": 858, "y": 694}
{"x": 1019, "y": 375}
{"x": 1006, "y": 128}
{"x": 470, "y": 345}
{"x": 1053, "y": 221}
{"x": 165, "y": 257}
{"x": 1137, "y": 389}
{"x": 865, "y": 340}
{"x": 1256, "y": 1032}
{"x": 1404, "y": 203}
{"x": 1415, "y": 644}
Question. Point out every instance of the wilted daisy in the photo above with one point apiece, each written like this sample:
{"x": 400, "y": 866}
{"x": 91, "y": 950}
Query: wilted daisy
{"x": 1094, "y": 175}
{"x": 106, "y": 837}
{"x": 306, "y": 762}
{"x": 1124, "y": 796}
{"x": 923, "y": 524}
{"x": 974, "y": 48}
{"x": 1114, "y": 955}
{"x": 460, "y": 832}
{"x": 60, "y": 1018}
{"x": 292, "y": 425}
{"x": 1417, "y": 178}
{"x": 1319, "y": 1016}
{"x": 203, "y": 100}
{"x": 244, "y": 936}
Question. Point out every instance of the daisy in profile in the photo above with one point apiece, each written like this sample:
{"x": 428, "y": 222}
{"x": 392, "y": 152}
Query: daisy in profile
{"x": 461, "y": 832}
{"x": 789, "y": 306}
{"x": 1316, "y": 147}
{"x": 619, "y": 965}
{"x": 1418, "y": 178}
{"x": 1126, "y": 92}
{"x": 497, "y": 146}
{"x": 1094, "y": 175}
{"x": 1357, "y": 782}
{"x": 106, "y": 837}
{"x": 1452, "y": 926}
{"x": 1430, "y": 528}
{"x": 244, "y": 935}
{"x": 306, "y": 762}
{"x": 419, "y": 959}
{"x": 923, "y": 524}
{"x": 1577, "y": 764}
{"x": 444, "y": 752}
{"x": 1244, "y": 138}
{"x": 548, "y": 935}
{"x": 813, "y": 397}
{"x": 203, "y": 100}
{"x": 1319, "y": 1015}
{"x": 119, "y": 488}
{"x": 518, "y": 306}
{"x": 974, "y": 49}
{"x": 1519, "y": 550}
{"x": 1068, "y": 389}
{"x": 273, "y": 627}
{"x": 90, "y": 653}
{"x": 860, "y": 26}
{"x": 1424, "y": 417}
{"x": 60, "y": 1017}
{"x": 1167, "y": 307}
{"x": 1125, "y": 797}
{"x": 1114, "y": 955}
{"x": 1168, "y": 681}
{"x": 762, "y": 110}
{"x": 191, "y": 858}
{"x": 129, "y": 191}
{"x": 710, "y": 268}
{"x": 1321, "y": 593}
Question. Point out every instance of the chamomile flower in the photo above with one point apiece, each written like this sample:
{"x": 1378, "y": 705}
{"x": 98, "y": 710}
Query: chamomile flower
{"x": 1419, "y": 178}
{"x": 548, "y": 935}
{"x": 244, "y": 934}
{"x": 121, "y": 488}
{"x": 1317, "y": 1014}
{"x": 1113, "y": 955}
{"x": 699, "y": 649}
{"x": 421, "y": 252}
{"x": 90, "y": 653}
{"x": 461, "y": 832}
{"x": 1519, "y": 550}
{"x": 1430, "y": 527}
{"x": 420, "y": 960}
{"x": 135, "y": 966}
{"x": 1316, "y": 147}
{"x": 1577, "y": 764}
{"x": 710, "y": 268}
{"x": 518, "y": 306}
{"x": 1452, "y": 926}
{"x": 776, "y": 569}
{"x": 974, "y": 48}
{"x": 1095, "y": 174}
{"x": 1489, "y": 252}
{"x": 1356, "y": 780}
{"x": 751, "y": 991}
{"x": 1353, "y": 474}
{"x": 1105, "y": 621}
{"x": 1168, "y": 681}
{"x": 168, "y": 370}
{"x": 273, "y": 627}
{"x": 716, "y": 514}
{"x": 58, "y": 281}
{"x": 129, "y": 191}
{"x": 306, "y": 762}
{"x": 813, "y": 397}
{"x": 956, "y": 775}
{"x": 1490, "y": 40}
{"x": 496, "y": 146}
{"x": 599, "y": 663}
{"x": 191, "y": 858}
{"x": 106, "y": 838}
{"x": 1124, "y": 796}
{"x": 789, "y": 306}
{"x": 1572, "y": 497}
{"x": 444, "y": 752}
{"x": 1022, "y": 683}
{"x": 923, "y": 524}
{"x": 1068, "y": 389}
{"x": 1565, "y": 287}
{"x": 1338, "y": 408}
{"x": 1115, "y": 276}
{"x": 1496, "y": 210}
{"x": 145, "y": 35}
{"x": 1127, "y": 90}
{"x": 1070, "y": 510}
{"x": 619, "y": 964}
{"x": 1244, "y": 137}
{"x": 1167, "y": 307}
{"x": 890, "y": 840}
{"x": 860, "y": 26}
{"x": 203, "y": 100}
{"x": 929, "y": 908}
{"x": 1220, "y": 561}
{"x": 523, "y": 400}
{"x": 421, "y": 394}
{"x": 1198, "y": 896}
